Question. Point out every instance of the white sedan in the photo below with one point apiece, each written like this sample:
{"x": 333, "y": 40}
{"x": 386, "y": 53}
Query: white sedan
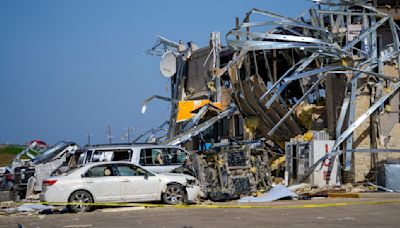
{"x": 118, "y": 182}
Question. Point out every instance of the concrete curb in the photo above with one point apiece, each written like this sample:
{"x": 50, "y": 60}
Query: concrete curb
{"x": 380, "y": 195}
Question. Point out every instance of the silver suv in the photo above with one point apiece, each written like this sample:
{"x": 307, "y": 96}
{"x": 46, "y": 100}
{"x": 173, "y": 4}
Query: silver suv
{"x": 156, "y": 158}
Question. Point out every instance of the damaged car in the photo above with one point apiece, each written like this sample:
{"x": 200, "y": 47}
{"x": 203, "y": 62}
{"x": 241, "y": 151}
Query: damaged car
{"x": 118, "y": 182}
{"x": 28, "y": 175}
{"x": 156, "y": 158}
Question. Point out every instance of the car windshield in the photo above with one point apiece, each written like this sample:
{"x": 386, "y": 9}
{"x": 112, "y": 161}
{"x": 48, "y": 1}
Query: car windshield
{"x": 52, "y": 151}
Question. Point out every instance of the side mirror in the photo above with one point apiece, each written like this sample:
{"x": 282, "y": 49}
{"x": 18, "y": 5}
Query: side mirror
{"x": 146, "y": 176}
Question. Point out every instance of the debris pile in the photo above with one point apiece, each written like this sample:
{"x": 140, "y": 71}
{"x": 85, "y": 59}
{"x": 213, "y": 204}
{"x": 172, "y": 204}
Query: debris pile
{"x": 306, "y": 191}
{"x": 230, "y": 172}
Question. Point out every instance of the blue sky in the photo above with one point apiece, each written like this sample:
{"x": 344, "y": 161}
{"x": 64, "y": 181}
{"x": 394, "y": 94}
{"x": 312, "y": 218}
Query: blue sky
{"x": 69, "y": 68}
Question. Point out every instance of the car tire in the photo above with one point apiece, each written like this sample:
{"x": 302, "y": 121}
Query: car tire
{"x": 174, "y": 194}
{"x": 80, "y": 196}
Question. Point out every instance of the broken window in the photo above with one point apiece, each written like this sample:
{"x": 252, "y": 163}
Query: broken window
{"x": 151, "y": 156}
{"x": 238, "y": 122}
{"x": 165, "y": 156}
{"x": 111, "y": 155}
{"x": 223, "y": 128}
{"x": 122, "y": 155}
{"x": 174, "y": 156}
{"x": 81, "y": 159}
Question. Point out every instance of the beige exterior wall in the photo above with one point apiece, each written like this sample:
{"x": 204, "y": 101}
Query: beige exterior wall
{"x": 389, "y": 132}
{"x": 361, "y": 162}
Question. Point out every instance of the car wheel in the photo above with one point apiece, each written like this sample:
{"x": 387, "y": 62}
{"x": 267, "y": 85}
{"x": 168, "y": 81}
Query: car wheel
{"x": 174, "y": 194}
{"x": 77, "y": 197}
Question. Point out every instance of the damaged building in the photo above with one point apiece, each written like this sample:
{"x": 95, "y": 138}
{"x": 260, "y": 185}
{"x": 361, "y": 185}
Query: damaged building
{"x": 325, "y": 82}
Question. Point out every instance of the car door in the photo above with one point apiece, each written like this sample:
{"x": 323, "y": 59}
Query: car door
{"x": 102, "y": 182}
{"x": 138, "y": 184}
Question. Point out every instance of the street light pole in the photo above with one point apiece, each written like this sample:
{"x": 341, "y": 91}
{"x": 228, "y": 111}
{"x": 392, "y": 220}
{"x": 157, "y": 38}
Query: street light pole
{"x": 128, "y": 131}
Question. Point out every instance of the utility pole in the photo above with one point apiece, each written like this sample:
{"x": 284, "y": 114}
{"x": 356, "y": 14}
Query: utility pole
{"x": 128, "y": 133}
{"x": 88, "y": 139}
{"x": 109, "y": 135}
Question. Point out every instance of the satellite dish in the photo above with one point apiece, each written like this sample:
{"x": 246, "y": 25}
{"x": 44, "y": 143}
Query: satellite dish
{"x": 168, "y": 64}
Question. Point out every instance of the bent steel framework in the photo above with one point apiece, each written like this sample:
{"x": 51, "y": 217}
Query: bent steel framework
{"x": 322, "y": 41}
{"x": 278, "y": 63}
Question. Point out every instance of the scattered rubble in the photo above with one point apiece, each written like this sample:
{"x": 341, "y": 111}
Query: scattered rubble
{"x": 7, "y": 204}
{"x": 13, "y": 208}
{"x": 277, "y": 192}
{"x": 306, "y": 191}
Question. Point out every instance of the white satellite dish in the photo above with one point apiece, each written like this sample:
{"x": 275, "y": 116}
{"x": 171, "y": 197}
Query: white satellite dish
{"x": 168, "y": 64}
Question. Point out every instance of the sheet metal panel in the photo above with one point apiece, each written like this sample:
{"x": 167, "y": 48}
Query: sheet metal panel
{"x": 198, "y": 73}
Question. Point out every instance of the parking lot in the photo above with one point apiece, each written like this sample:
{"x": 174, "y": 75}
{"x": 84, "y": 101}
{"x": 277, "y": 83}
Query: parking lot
{"x": 368, "y": 212}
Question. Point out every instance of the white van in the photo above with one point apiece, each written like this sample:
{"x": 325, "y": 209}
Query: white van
{"x": 156, "y": 158}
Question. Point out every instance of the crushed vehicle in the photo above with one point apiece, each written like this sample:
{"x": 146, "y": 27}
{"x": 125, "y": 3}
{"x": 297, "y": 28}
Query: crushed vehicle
{"x": 33, "y": 148}
{"x": 154, "y": 157}
{"x": 118, "y": 182}
{"x": 228, "y": 172}
{"x": 27, "y": 176}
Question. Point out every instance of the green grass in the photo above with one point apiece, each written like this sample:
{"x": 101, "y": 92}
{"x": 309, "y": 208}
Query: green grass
{"x": 7, "y": 154}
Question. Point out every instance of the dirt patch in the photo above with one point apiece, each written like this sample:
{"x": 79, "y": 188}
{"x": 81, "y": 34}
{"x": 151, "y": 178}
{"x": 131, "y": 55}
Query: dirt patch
{"x": 7, "y": 154}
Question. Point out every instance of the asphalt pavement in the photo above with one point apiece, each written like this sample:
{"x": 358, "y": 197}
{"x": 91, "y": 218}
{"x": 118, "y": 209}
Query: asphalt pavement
{"x": 364, "y": 212}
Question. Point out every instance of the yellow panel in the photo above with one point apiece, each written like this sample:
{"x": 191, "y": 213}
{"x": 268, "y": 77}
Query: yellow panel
{"x": 185, "y": 108}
